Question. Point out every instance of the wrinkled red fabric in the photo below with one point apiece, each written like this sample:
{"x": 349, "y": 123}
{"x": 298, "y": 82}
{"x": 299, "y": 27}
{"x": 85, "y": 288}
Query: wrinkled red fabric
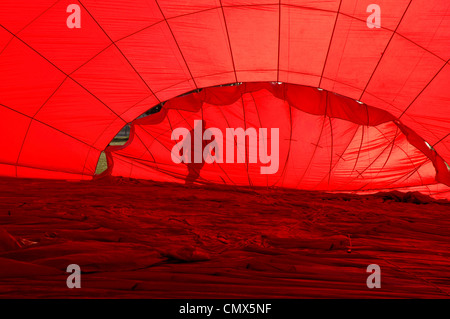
{"x": 326, "y": 142}
{"x": 65, "y": 93}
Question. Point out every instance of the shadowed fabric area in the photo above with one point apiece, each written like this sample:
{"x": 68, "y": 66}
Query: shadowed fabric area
{"x": 135, "y": 239}
{"x": 323, "y": 141}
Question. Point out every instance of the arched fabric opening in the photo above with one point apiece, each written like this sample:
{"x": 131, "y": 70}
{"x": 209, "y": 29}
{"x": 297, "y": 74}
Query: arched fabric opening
{"x": 66, "y": 92}
{"x": 323, "y": 141}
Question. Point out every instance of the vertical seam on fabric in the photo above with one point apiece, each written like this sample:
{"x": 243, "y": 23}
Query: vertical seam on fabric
{"x": 117, "y": 47}
{"x": 178, "y": 46}
{"x": 385, "y": 49}
{"x": 424, "y": 88}
{"x": 329, "y": 45}
{"x": 60, "y": 70}
{"x": 279, "y": 40}
{"x": 229, "y": 41}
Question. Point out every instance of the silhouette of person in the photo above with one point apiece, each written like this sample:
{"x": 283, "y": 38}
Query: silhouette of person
{"x": 194, "y": 168}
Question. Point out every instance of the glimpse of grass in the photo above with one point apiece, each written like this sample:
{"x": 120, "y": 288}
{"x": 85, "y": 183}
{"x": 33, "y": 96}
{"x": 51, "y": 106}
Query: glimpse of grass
{"x": 102, "y": 165}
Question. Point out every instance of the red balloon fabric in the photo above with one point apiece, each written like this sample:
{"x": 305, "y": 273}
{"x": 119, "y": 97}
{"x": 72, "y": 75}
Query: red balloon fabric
{"x": 75, "y": 72}
{"x": 291, "y": 136}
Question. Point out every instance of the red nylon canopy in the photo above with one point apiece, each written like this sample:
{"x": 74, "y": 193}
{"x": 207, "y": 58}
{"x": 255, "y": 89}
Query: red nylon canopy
{"x": 66, "y": 92}
{"x": 324, "y": 141}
